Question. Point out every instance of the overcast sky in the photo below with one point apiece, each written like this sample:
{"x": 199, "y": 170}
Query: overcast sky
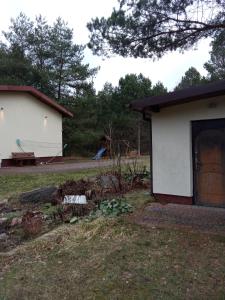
{"x": 77, "y": 13}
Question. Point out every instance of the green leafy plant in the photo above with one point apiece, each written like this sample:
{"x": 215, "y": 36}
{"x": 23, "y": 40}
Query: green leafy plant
{"x": 114, "y": 207}
{"x": 54, "y": 212}
{"x": 13, "y": 214}
{"x": 49, "y": 210}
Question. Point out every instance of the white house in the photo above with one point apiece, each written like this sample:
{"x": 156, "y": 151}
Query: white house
{"x": 188, "y": 144}
{"x": 29, "y": 122}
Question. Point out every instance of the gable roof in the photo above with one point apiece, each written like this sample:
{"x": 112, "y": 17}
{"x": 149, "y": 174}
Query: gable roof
{"x": 154, "y": 103}
{"x": 39, "y": 95}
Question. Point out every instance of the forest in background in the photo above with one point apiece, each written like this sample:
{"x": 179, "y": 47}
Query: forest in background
{"x": 46, "y": 57}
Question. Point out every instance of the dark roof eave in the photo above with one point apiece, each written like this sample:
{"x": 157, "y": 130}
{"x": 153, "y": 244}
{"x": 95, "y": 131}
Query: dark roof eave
{"x": 180, "y": 97}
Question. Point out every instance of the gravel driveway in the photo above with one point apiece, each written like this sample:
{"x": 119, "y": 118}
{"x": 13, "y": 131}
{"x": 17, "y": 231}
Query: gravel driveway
{"x": 53, "y": 168}
{"x": 208, "y": 219}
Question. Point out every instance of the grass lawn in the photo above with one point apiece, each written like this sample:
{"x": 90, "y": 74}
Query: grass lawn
{"x": 11, "y": 185}
{"x": 112, "y": 258}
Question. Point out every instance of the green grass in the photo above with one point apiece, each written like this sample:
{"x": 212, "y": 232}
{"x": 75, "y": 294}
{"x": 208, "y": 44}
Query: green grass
{"x": 110, "y": 258}
{"x": 114, "y": 259}
{"x": 138, "y": 198}
{"x": 11, "y": 185}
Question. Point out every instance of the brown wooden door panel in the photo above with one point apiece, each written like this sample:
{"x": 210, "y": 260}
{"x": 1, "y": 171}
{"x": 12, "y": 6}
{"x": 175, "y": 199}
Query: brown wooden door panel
{"x": 211, "y": 189}
{"x": 210, "y": 167}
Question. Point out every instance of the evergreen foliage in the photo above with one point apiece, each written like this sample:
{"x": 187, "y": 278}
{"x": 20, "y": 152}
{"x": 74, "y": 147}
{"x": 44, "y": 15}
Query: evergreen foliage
{"x": 46, "y": 57}
{"x": 191, "y": 78}
{"x": 108, "y": 113}
{"x": 146, "y": 28}
{"x": 54, "y": 63}
{"x": 216, "y": 65}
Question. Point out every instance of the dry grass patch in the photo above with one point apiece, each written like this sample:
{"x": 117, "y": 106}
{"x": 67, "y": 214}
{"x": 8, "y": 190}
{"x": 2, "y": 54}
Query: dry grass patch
{"x": 112, "y": 259}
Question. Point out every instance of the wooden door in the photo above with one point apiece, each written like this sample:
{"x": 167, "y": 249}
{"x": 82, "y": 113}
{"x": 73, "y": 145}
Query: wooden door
{"x": 209, "y": 165}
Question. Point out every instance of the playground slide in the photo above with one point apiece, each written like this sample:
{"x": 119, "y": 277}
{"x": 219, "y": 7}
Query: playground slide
{"x": 99, "y": 154}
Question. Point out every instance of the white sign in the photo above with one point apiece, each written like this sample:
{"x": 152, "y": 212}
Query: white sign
{"x": 75, "y": 199}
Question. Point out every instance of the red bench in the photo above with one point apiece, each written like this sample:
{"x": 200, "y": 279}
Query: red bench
{"x": 22, "y": 158}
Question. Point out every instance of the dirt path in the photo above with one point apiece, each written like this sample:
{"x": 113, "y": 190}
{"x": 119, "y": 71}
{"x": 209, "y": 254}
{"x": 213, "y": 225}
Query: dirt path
{"x": 206, "y": 219}
{"x": 53, "y": 168}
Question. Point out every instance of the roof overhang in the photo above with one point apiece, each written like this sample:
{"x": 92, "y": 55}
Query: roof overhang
{"x": 39, "y": 95}
{"x": 155, "y": 103}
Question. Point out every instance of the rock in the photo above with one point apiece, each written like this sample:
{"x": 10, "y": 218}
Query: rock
{"x": 45, "y": 217}
{"x": 110, "y": 182}
{"x": 42, "y": 195}
{"x": 3, "y": 236}
{"x": 3, "y": 202}
{"x": 3, "y": 221}
{"x": 16, "y": 221}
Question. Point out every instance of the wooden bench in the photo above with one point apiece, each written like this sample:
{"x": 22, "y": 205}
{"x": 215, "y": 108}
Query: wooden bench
{"x": 22, "y": 158}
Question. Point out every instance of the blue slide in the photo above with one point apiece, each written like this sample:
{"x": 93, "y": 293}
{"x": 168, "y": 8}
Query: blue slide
{"x": 99, "y": 154}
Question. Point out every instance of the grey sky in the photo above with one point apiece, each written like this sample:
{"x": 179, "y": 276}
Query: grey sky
{"x": 77, "y": 13}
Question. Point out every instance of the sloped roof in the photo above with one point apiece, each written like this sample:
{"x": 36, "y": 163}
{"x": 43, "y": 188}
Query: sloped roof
{"x": 39, "y": 95}
{"x": 154, "y": 103}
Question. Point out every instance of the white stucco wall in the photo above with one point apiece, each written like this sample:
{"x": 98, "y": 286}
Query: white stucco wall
{"x": 23, "y": 117}
{"x": 172, "y": 144}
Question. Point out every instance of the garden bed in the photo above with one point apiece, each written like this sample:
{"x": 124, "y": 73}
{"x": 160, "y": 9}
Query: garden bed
{"x": 37, "y": 212}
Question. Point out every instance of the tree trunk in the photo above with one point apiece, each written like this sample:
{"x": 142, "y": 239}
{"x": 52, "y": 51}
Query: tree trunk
{"x": 139, "y": 138}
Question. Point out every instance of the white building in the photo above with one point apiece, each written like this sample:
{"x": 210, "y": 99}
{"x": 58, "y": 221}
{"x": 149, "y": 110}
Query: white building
{"x": 29, "y": 122}
{"x": 188, "y": 144}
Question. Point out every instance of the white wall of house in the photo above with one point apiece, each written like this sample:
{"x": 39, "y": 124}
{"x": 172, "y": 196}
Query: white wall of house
{"x": 23, "y": 117}
{"x": 172, "y": 144}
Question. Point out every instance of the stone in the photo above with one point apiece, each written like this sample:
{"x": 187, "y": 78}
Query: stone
{"x": 3, "y": 236}
{"x": 41, "y": 195}
{"x": 110, "y": 182}
{"x": 16, "y": 221}
{"x": 45, "y": 217}
{"x": 3, "y": 202}
{"x": 3, "y": 221}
